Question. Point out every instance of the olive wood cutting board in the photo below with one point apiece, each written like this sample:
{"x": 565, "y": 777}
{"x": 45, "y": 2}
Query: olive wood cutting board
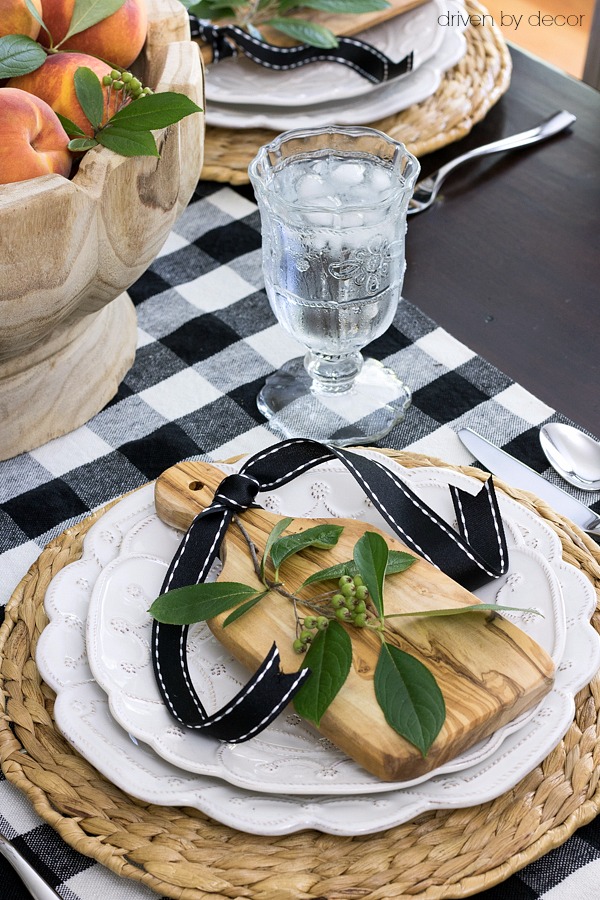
{"x": 489, "y": 671}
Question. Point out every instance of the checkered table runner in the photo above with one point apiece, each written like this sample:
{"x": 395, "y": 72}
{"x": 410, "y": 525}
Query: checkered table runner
{"x": 207, "y": 340}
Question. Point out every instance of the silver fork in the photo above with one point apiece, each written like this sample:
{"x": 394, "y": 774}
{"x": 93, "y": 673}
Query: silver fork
{"x": 426, "y": 190}
{"x": 35, "y": 884}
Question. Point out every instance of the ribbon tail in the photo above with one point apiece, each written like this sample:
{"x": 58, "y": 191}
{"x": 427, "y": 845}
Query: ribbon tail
{"x": 252, "y": 709}
{"x": 260, "y": 701}
{"x": 480, "y": 523}
{"x": 421, "y": 529}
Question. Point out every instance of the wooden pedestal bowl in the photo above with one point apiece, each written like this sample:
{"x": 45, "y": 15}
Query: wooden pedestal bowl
{"x": 70, "y": 249}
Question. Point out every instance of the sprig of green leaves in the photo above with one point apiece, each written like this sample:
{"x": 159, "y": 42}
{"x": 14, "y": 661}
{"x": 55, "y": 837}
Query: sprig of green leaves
{"x": 199, "y": 602}
{"x": 129, "y": 130}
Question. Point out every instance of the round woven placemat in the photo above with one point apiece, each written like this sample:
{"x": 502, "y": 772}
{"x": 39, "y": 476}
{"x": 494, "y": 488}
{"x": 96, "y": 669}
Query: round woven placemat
{"x": 182, "y": 853}
{"x": 464, "y": 96}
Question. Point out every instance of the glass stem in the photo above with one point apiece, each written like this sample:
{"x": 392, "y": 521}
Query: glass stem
{"x": 332, "y": 374}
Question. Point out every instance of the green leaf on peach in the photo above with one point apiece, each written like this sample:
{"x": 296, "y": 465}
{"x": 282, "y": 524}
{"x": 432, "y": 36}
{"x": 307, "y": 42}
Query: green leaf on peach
{"x": 127, "y": 142}
{"x": 20, "y": 55}
{"x": 87, "y": 12}
{"x": 90, "y": 95}
{"x": 70, "y": 127}
{"x": 154, "y": 111}
{"x": 32, "y": 9}
{"x": 81, "y": 145}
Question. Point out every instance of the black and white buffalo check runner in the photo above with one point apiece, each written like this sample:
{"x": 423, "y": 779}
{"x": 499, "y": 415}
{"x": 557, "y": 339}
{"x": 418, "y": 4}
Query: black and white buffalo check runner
{"x": 207, "y": 340}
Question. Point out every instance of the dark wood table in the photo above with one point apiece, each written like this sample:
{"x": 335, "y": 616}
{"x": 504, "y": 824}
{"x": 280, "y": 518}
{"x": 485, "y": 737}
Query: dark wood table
{"x": 508, "y": 258}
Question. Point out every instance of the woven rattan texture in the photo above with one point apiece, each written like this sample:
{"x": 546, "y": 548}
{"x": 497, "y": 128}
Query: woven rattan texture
{"x": 464, "y": 96}
{"x": 183, "y": 854}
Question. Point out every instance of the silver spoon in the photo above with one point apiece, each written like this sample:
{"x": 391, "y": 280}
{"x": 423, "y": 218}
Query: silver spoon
{"x": 573, "y": 454}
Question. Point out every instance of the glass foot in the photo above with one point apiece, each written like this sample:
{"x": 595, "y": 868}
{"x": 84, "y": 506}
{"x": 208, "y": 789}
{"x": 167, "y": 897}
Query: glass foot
{"x": 377, "y": 400}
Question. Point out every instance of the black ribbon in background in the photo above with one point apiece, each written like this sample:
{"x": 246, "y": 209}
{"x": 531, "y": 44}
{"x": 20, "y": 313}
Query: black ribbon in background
{"x": 472, "y": 556}
{"x": 368, "y": 61}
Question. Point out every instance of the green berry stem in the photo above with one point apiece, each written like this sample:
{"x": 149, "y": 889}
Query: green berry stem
{"x": 122, "y": 82}
{"x": 347, "y": 602}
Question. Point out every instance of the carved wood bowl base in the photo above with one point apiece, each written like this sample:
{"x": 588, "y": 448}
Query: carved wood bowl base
{"x": 66, "y": 378}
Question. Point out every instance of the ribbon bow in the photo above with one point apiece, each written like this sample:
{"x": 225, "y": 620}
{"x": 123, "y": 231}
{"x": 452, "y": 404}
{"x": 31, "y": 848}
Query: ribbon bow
{"x": 472, "y": 555}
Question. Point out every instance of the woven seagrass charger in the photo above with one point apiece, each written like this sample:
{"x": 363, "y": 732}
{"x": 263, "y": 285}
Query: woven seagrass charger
{"x": 181, "y": 853}
{"x": 465, "y": 94}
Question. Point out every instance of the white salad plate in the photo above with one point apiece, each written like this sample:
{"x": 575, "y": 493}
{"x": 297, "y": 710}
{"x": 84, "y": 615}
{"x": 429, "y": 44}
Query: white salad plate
{"x": 131, "y": 528}
{"x": 240, "y": 81}
{"x": 389, "y": 98}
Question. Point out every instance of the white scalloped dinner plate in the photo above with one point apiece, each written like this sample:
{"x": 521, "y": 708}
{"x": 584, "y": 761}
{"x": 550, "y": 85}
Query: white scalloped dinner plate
{"x": 82, "y": 708}
{"x": 239, "y": 80}
{"x": 388, "y": 99}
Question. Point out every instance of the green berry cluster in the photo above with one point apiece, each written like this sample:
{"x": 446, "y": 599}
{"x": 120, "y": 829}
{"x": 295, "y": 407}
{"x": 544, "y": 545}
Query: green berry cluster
{"x": 349, "y": 603}
{"x": 309, "y": 626}
{"x": 125, "y": 81}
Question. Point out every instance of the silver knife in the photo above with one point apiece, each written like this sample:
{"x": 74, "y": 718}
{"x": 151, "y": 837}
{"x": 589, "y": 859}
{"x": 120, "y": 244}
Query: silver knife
{"x": 36, "y": 885}
{"x": 521, "y": 476}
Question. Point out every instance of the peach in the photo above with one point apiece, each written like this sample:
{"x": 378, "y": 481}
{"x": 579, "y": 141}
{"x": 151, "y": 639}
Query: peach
{"x": 118, "y": 39}
{"x": 32, "y": 140}
{"x": 15, "y": 18}
{"x": 53, "y": 82}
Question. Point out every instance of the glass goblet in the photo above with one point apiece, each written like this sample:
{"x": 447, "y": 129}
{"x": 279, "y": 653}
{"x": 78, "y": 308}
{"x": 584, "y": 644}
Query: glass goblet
{"x": 333, "y": 205}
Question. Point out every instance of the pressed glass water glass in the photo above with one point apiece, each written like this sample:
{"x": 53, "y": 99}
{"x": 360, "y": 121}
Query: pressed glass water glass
{"x": 333, "y": 205}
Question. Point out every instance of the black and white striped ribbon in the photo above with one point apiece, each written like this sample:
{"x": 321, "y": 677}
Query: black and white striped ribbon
{"x": 472, "y": 555}
{"x": 364, "y": 58}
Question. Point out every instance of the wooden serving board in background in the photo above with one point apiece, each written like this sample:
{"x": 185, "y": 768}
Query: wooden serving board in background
{"x": 489, "y": 671}
{"x": 344, "y": 24}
